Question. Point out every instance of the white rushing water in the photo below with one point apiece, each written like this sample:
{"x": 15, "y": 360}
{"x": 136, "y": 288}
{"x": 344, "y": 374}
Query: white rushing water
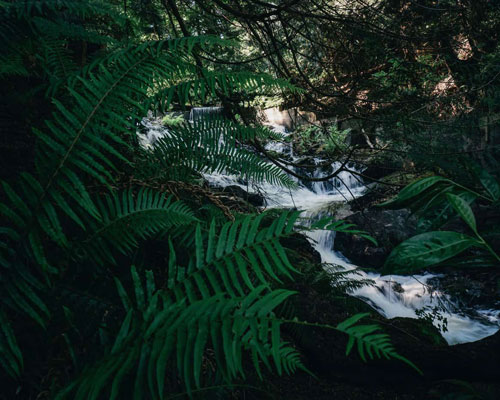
{"x": 392, "y": 295}
{"x": 305, "y": 195}
{"x": 401, "y": 296}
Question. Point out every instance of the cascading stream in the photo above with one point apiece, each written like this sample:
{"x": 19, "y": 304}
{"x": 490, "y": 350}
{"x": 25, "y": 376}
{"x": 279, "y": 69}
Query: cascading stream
{"x": 198, "y": 113}
{"x": 401, "y": 296}
{"x": 392, "y": 296}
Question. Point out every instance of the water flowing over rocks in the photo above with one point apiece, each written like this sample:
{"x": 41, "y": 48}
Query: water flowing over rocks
{"x": 198, "y": 113}
{"x": 417, "y": 339}
{"x": 391, "y": 296}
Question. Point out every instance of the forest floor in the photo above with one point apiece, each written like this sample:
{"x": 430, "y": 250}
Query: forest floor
{"x": 449, "y": 372}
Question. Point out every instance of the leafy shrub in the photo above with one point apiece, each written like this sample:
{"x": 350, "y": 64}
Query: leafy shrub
{"x": 436, "y": 200}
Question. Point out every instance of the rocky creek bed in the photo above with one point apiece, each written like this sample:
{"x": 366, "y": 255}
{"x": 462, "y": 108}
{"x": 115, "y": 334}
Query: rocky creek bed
{"x": 388, "y": 300}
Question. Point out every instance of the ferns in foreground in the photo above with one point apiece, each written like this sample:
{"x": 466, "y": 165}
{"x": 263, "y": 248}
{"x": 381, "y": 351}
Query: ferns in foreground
{"x": 70, "y": 229}
{"x": 219, "y": 300}
{"x": 86, "y": 143}
{"x": 158, "y": 334}
{"x": 213, "y": 145}
{"x": 221, "y": 306}
{"x": 79, "y": 145}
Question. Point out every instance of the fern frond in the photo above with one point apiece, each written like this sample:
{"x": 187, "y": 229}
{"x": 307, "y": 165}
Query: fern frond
{"x": 212, "y": 83}
{"x": 82, "y": 142}
{"x": 369, "y": 341}
{"x": 56, "y": 59}
{"x": 127, "y": 217}
{"x": 156, "y": 333}
{"x": 20, "y": 295}
{"x": 241, "y": 256}
{"x": 214, "y": 145}
{"x": 12, "y": 64}
{"x": 11, "y": 358}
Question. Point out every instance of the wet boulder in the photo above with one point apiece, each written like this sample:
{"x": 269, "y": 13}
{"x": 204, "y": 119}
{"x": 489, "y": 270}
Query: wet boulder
{"x": 469, "y": 288}
{"x": 254, "y": 199}
{"x": 388, "y": 227}
{"x": 301, "y": 249}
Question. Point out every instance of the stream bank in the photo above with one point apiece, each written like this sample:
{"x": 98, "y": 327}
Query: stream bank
{"x": 391, "y": 296}
{"x": 476, "y": 364}
{"x": 397, "y": 300}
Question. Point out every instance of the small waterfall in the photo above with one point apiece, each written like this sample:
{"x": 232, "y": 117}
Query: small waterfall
{"x": 393, "y": 295}
{"x": 281, "y": 147}
{"x": 304, "y": 196}
{"x": 403, "y": 296}
{"x": 154, "y": 130}
{"x": 199, "y": 113}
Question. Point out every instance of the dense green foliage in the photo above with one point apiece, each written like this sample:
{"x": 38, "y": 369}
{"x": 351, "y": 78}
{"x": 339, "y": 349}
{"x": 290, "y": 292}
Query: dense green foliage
{"x": 76, "y": 238}
{"x": 117, "y": 281}
{"x": 437, "y": 200}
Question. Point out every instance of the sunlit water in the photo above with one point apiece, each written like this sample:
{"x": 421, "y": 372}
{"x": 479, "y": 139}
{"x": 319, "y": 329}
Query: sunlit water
{"x": 391, "y": 295}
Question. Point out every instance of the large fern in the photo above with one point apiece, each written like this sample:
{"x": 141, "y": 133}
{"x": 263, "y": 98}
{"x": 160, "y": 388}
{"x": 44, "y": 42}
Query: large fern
{"x": 82, "y": 143}
{"x": 224, "y": 277}
{"x": 220, "y": 290}
{"x": 86, "y": 141}
{"x": 213, "y": 145}
{"x": 129, "y": 217}
{"x": 224, "y": 302}
{"x": 157, "y": 334}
